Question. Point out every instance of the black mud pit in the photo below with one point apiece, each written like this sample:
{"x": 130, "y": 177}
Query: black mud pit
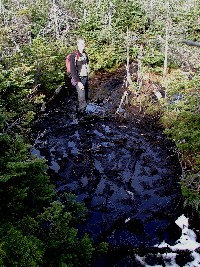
{"x": 126, "y": 176}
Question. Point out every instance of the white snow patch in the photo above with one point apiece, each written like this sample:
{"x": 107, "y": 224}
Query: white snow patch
{"x": 182, "y": 221}
{"x": 187, "y": 241}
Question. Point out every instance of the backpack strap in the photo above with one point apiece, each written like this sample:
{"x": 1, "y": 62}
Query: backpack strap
{"x": 77, "y": 54}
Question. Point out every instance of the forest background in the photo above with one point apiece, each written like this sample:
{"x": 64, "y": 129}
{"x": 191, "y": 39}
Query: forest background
{"x": 37, "y": 227}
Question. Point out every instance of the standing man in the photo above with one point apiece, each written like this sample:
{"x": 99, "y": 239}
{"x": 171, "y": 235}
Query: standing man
{"x": 79, "y": 66}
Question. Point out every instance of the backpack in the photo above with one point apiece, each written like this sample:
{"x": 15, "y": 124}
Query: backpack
{"x": 68, "y": 61}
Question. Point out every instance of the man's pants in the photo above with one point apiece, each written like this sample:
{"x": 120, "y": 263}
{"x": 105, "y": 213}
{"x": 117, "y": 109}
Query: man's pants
{"x": 82, "y": 93}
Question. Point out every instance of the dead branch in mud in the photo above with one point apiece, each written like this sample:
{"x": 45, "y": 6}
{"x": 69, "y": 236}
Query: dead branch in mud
{"x": 124, "y": 99}
{"x": 57, "y": 91}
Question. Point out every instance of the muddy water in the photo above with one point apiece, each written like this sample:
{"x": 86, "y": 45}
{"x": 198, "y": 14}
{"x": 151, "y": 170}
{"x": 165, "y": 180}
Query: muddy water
{"x": 126, "y": 176}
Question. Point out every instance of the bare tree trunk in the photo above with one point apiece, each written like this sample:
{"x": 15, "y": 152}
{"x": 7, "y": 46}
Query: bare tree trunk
{"x": 128, "y": 76}
{"x": 84, "y": 14}
{"x": 139, "y": 72}
{"x": 55, "y": 19}
{"x": 86, "y": 11}
{"x": 110, "y": 14}
{"x": 98, "y": 4}
{"x": 166, "y": 40}
{"x": 166, "y": 50}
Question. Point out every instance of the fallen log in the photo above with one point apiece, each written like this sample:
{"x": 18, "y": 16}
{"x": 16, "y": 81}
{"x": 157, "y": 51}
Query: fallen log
{"x": 191, "y": 43}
